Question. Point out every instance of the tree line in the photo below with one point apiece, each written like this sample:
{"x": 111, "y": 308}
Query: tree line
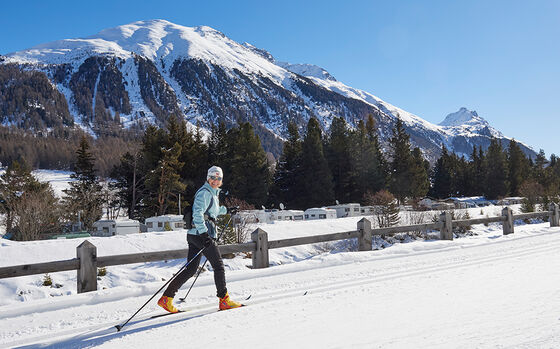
{"x": 55, "y": 148}
{"x": 32, "y": 210}
{"x": 497, "y": 173}
{"x": 168, "y": 165}
{"x": 347, "y": 165}
{"x": 317, "y": 168}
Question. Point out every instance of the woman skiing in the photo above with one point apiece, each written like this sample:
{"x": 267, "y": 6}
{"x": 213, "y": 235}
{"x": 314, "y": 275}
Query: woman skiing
{"x": 202, "y": 235}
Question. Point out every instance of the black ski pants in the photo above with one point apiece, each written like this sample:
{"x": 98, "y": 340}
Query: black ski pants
{"x": 211, "y": 252}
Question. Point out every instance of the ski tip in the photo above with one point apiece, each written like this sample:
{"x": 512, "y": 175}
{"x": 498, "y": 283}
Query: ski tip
{"x": 248, "y": 297}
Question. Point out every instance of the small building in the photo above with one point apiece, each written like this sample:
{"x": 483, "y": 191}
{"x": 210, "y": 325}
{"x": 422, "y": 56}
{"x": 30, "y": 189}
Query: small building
{"x": 255, "y": 216}
{"x": 512, "y": 200}
{"x": 346, "y": 210}
{"x": 268, "y": 215}
{"x": 469, "y": 202}
{"x": 431, "y": 204}
{"x": 167, "y": 222}
{"x": 367, "y": 210}
{"x": 319, "y": 213}
{"x": 112, "y": 227}
{"x": 290, "y": 215}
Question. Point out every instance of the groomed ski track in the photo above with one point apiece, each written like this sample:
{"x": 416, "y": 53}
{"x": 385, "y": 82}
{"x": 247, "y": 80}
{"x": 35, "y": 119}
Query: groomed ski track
{"x": 431, "y": 298}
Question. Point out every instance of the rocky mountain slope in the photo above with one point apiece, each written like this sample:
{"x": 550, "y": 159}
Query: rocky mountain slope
{"x": 145, "y": 71}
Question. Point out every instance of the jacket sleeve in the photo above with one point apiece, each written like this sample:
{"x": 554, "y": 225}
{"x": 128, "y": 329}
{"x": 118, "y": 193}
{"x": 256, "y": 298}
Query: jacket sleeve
{"x": 200, "y": 205}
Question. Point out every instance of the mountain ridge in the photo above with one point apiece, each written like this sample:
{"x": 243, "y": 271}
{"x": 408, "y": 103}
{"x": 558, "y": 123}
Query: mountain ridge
{"x": 146, "y": 70}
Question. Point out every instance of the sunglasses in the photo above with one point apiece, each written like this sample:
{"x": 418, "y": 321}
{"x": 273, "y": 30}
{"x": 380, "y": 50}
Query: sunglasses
{"x": 215, "y": 178}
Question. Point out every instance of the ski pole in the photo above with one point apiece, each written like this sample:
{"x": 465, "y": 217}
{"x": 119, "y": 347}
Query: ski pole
{"x": 190, "y": 288}
{"x": 119, "y": 327}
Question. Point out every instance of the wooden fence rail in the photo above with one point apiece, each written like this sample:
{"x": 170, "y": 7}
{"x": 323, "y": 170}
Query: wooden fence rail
{"x": 87, "y": 262}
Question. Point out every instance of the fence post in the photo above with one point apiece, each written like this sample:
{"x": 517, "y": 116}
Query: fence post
{"x": 260, "y": 255}
{"x": 446, "y": 226}
{"x": 554, "y": 215}
{"x": 87, "y": 272}
{"x": 364, "y": 237}
{"x": 508, "y": 223}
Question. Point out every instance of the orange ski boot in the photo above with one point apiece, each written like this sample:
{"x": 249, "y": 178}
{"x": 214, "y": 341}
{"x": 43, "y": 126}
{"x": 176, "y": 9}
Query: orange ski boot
{"x": 167, "y": 304}
{"x": 227, "y": 303}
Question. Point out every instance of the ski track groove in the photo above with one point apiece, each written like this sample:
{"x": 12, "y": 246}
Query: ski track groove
{"x": 108, "y": 330}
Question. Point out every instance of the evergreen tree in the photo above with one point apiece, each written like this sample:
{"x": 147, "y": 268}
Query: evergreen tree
{"x": 85, "y": 193}
{"x": 518, "y": 167}
{"x": 288, "y": 180}
{"x": 154, "y": 140}
{"x": 402, "y": 162}
{"x": 442, "y": 177}
{"x": 463, "y": 183}
{"x": 339, "y": 159}
{"x": 380, "y": 181}
{"x": 420, "y": 183}
{"x": 128, "y": 182}
{"x": 148, "y": 159}
{"x": 553, "y": 170}
{"x": 497, "y": 184}
{"x": 318, "y": 190}
{"x": 468, "y": 175}
{"x": 199, "y": 159}
{"x": 166, "y": 181}
{"x": 366, "y": 172}
{"x": 217, "y": 144}
{"x": 540, "y": 170}
{"x": 194, "y": 155}
{"x": 479, "y": 171}
{"x": 248, "y": 177}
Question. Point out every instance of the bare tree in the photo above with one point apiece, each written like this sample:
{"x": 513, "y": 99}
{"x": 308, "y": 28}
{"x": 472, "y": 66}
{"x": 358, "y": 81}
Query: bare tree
{"x": 37, "y": 215}
{"x": 240, "y": 224}
{"x": 531, "y": 191}
{"x": 112, "y": 202}
{"x": 385, "y": 209}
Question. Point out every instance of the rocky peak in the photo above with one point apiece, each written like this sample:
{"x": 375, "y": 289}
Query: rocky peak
{"x": 463, "y": 117}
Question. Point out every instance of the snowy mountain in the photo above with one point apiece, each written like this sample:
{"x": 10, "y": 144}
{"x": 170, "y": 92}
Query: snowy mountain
{"x": 144, "y": 71}
{"x": 463, "y": 117}
{"x": 468, "y": 122}
{"x": 307, "y": 70}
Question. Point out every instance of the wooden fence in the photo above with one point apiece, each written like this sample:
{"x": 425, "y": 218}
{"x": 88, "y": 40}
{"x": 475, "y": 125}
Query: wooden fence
{"x": 87, "y": 262}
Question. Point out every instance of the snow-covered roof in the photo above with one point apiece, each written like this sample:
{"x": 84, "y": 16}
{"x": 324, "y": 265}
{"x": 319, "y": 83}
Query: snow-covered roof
{"x": 469, "y": 199}
{"x": 167, "y": 217}
{"x": 319, "y": 209}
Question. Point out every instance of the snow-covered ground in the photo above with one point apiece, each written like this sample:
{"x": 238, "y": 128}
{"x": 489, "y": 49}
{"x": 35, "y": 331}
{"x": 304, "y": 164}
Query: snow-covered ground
{"x": 59, "y": 180}
{"x": 481, "y": 290}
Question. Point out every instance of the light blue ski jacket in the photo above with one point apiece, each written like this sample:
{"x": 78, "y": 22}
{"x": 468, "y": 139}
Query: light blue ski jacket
{"x": 202, "y": 199}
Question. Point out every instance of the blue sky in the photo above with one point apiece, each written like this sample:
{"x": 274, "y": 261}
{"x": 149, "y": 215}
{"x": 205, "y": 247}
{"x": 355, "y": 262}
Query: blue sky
{"x": 500, "y": 58}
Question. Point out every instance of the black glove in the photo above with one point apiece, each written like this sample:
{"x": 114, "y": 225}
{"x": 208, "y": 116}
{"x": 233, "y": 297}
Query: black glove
{"x": 207, "y": 240}
{"x": 233, "y": 210}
